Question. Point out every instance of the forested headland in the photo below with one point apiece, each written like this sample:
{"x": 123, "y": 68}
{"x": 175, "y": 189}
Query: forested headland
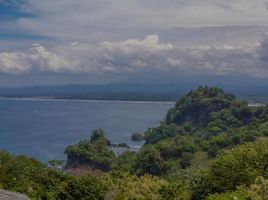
{"x": 210, "y": 145}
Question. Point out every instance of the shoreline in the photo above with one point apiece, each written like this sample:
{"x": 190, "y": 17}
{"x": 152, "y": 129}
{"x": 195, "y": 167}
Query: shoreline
{"x": 57, "y": 99}
{"x": 82, "y": 100}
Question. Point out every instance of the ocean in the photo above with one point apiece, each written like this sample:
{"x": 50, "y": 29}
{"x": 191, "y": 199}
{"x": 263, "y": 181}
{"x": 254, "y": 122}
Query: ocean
{"x": 43, "y": 128}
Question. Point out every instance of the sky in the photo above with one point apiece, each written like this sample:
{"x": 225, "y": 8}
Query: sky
{"x": 105, "y": 41}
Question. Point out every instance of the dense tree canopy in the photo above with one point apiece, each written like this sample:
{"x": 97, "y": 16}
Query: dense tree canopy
{"x": 235, "y": 168}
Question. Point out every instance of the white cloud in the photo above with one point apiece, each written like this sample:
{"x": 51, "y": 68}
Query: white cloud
{"x": 135, "y": 56}
{"x": 117, "y": 57}
{"x": 149, "y": 44}
{"x": 36, "y": 56}
{"x": 14, "y": 62}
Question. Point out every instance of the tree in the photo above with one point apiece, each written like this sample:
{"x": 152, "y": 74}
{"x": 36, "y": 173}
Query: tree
{"x": 239, "y": 166}
{"x": 149, "y": 161}
{"x": 97, "y": 134}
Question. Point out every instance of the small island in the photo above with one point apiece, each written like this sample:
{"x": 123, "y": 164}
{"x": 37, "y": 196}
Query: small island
{"x": 137, "y": 137}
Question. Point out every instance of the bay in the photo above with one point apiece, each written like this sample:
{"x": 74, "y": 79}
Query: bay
{"x": 42, "y": 128}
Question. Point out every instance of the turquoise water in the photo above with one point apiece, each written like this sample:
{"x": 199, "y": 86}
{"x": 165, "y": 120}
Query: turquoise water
{"x": 43, "y": 128}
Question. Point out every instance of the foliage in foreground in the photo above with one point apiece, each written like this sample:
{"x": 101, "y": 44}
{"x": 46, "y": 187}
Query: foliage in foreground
{"x": 29, "y": 176}
{"x": 239, "y": 173}
{"x": 238, "y": 167}
{"x": 257, "y": 191}
{"x": 38, "y": 181}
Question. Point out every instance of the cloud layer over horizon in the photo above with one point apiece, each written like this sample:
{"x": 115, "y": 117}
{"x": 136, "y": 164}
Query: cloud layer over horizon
{"x": 118, "y": 38}
{"x": 137, "y": 55}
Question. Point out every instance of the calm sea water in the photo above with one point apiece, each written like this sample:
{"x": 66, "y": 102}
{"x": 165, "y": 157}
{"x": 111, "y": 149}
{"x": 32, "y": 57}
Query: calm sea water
{"x": 43, "y": 128}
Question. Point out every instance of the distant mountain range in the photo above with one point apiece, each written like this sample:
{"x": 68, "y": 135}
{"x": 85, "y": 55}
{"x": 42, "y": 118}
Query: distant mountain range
{"x": 133, "y": 92}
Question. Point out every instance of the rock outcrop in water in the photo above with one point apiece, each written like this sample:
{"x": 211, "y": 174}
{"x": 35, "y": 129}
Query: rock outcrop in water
{"x": 94, "y": 152}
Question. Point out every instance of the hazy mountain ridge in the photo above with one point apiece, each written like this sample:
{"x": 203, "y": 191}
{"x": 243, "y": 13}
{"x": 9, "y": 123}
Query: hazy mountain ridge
{"x": 129, "y": 92}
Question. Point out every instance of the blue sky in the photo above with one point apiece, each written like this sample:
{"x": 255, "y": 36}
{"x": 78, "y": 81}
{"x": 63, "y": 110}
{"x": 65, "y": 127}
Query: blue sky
{"x": 103, "y": 41}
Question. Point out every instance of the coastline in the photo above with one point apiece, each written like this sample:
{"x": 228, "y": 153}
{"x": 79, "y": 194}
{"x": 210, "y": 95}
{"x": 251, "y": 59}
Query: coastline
{"x": 82, "y": 100}
{"x": 252, "y": 103}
